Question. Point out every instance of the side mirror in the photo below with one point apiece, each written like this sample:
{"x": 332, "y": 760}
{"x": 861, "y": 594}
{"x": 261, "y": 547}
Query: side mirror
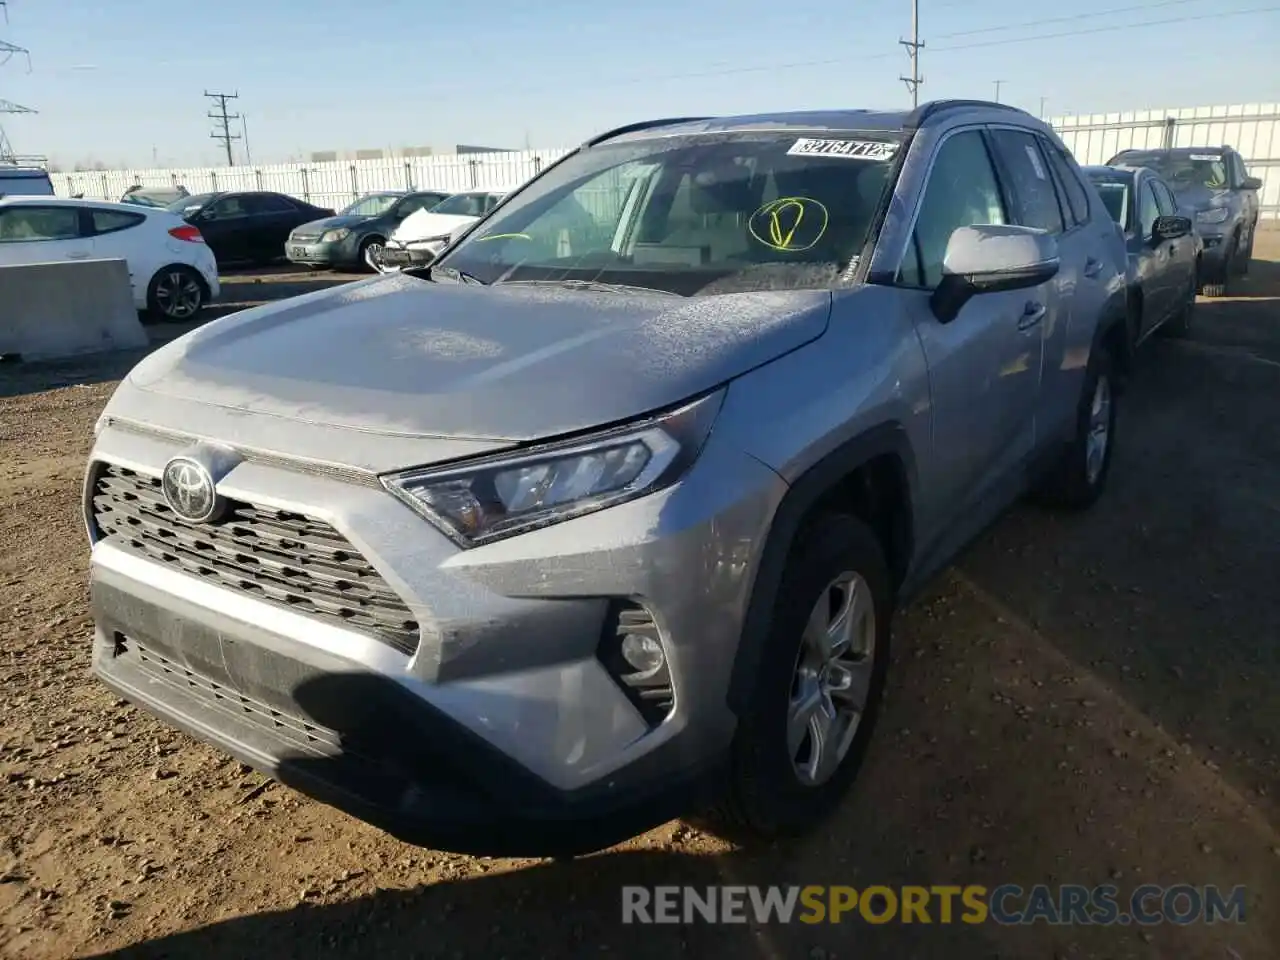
{"x": 989, "y": 258}
{"x": 1251, "y": 183}
{"x": 1170, "y": 228}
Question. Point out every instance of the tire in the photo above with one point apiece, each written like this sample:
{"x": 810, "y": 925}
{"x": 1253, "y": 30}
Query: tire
{"x": 1179, "y": 326}
{"x": 1246, "y": 255}
{"x": 1076, "y": 481}
{"x": 767, "y": 794}
{"x": 1219, "y": 284}
{"x": 176, "y": 294}
{"x": 370, "y": 247}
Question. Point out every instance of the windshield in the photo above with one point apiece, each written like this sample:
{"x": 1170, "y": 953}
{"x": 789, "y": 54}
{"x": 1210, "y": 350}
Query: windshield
{"x": 1115, "y": 197}
{"x": 464, "y": 204}
{"x": 189, "y": 204}
{"x": 698, "y": 214}
{"x": 1184, "y": 170}
{"x": 373, "y": 205}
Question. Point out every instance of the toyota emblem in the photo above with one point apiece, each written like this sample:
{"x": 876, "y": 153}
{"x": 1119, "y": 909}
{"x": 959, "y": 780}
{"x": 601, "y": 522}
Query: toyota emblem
{"x": 189, "y": 490}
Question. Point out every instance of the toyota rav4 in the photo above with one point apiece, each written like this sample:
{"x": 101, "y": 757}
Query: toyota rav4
{"x": 605, "y": 513}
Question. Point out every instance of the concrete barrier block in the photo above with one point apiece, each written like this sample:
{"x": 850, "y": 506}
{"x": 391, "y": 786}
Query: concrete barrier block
{"x": 63, "y": 309}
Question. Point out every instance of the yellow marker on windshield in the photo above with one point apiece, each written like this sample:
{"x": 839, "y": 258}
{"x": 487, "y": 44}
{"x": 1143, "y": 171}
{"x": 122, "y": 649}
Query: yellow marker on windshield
{"x": 789, "y": 224}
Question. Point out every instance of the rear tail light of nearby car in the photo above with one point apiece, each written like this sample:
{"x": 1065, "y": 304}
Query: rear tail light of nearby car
{"x": 187, "y": 232}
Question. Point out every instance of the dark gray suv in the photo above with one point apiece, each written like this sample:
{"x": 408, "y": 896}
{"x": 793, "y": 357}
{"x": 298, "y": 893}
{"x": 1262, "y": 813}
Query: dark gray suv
{"x": 1214, "y": 189}
{"x": 611, "y": 505}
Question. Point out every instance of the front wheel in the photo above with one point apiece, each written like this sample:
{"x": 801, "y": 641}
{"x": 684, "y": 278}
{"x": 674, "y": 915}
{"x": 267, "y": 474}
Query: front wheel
{"x": 810, "y": 717}
{"x": 176, "y": 294}
{"x": 1080, "y": 475}
{"x": 371, "y": 253}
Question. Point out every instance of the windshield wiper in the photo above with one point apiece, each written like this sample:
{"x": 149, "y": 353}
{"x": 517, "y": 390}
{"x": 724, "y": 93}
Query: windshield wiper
{"x": 596, "y": 285}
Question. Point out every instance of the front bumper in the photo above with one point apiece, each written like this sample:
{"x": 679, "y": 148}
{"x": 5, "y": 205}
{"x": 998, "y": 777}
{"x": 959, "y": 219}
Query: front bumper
{"x": 319, "y": 254}
{"x": 502, "y": 732}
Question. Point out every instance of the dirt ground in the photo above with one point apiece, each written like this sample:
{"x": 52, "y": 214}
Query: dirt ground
{"x": 1088, "y": 699}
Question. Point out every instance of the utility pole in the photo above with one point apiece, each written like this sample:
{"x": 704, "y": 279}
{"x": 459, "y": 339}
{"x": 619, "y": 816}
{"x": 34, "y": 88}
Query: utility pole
{"x": 223, "y": 120}
{"x": 913, "y": 47}
{"x": 244, "y": 132}
{"x": 8, "y": 50}
{"x": 999, "y": 84}
{"x": 1042, "y": 103}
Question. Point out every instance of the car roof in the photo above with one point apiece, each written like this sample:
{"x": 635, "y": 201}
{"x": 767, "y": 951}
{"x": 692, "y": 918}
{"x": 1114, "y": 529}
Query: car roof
{"x": 1116, "y": 171}
{"x": 31, "y": 199}
{"x": 1175, "y": 151}
{"x": 843, "y": 120}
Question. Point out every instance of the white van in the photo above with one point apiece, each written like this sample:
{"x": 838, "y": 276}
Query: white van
{"x": 24, "y": 181}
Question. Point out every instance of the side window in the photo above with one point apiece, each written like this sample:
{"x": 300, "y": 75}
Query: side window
{"x": 266, "y": 203}
{"x": 1148, "y": 210}
{"x": 109, "y": 221}
{"x": 1034, "y": 197}
{"x": 1077, "y": 198}
{"x": 962, "y": 192}
{"x": 227, "y": 207}
{"x": 1237, "y": 161}
{"x": 1164, "y": 199}
{"x": 21, "y": 224}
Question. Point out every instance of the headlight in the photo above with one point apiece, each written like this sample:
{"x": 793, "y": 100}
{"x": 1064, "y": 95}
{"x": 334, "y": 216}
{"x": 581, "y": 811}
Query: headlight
{"x": 1213, "y": 215}
{"x": 511, "y": 493}
{"x": 334, "y": 236}
{"x": 432, "y": 243}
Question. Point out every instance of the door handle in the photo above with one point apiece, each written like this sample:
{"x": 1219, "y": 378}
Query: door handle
{"x": 1032, "y": 314}
{"x": 78, "y": 255}
{"x": 1092, "y": 267}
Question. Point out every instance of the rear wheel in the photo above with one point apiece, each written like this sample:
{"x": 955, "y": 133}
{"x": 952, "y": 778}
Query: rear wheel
{"x": 1080, "y": 476}
{"x": 807, "y": 725}
{"x": 176, "y": 294}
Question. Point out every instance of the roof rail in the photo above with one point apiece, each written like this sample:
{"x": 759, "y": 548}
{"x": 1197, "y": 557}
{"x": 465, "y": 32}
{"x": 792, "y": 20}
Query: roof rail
{"x": 640, "y": 125}
{"x": 923, "y": 112}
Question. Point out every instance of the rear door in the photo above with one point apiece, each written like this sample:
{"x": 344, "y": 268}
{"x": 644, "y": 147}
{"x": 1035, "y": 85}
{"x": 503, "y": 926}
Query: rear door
{"x": 34, "y": 233}
{"x": 122, "y": 234}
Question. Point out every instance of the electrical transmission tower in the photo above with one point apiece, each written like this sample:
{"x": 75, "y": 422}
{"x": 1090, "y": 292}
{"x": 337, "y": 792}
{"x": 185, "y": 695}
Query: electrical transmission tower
{"x": 7, "y": 52}
{"x": 914, "y": 46}
{"x": 222, "y": 119}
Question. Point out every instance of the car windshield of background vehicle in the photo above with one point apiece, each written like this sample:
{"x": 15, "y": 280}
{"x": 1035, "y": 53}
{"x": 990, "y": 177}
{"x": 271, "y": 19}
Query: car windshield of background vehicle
{"x": 698, "y": 214}
{"x": 1115, "y": 197}
{"x": 190, "y": 204}
{"x": 463, "y": 205}
{"x": 374, "y": 205}
{"x": 1183, "y": 170}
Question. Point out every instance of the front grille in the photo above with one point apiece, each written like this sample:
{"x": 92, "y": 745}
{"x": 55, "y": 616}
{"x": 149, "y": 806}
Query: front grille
{"x": 284, "y": 558}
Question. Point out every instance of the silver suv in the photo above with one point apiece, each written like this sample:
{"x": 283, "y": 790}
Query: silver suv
{"x": 605, "y": 513}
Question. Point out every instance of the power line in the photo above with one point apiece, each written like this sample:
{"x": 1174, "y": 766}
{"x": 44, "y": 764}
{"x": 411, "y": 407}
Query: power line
{"x": 223, "y": 119}
{"x": 1067, "y": 19}
{"x": 863, "y": 58}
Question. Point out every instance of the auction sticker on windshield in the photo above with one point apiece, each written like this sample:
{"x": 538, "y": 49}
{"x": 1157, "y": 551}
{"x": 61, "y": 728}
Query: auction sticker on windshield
{"x": 853, "y": 149}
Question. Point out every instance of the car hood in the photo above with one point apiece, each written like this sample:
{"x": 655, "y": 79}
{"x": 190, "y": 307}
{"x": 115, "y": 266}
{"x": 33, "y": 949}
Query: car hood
{"x": 425, "y": 225}
{"x": 402, "y": 357}
{"x": 330, "y": 223}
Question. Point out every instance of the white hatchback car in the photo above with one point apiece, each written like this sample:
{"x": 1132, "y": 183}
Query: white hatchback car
{"x": 174, "y": 274}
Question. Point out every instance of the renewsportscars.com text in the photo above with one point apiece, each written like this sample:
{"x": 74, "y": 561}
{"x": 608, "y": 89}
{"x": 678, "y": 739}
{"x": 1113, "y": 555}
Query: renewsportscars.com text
{"x": 1067, "y": 904}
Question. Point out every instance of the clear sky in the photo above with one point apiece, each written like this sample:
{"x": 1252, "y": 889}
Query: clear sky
{"x": 123, "y": 83}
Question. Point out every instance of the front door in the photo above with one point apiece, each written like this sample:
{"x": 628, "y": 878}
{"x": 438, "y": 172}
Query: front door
{"x": 984, "y": 366}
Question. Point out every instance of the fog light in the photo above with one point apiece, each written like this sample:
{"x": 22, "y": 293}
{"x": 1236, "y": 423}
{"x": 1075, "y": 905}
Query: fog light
{"x": 643, "y": 653}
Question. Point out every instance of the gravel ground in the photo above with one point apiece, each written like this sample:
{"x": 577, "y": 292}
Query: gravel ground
{"x": 1079, "y": 700}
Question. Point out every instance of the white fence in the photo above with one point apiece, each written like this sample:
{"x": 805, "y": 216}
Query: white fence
{"x": 333, "y": 184}
{"x": 1253, "y": 129}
